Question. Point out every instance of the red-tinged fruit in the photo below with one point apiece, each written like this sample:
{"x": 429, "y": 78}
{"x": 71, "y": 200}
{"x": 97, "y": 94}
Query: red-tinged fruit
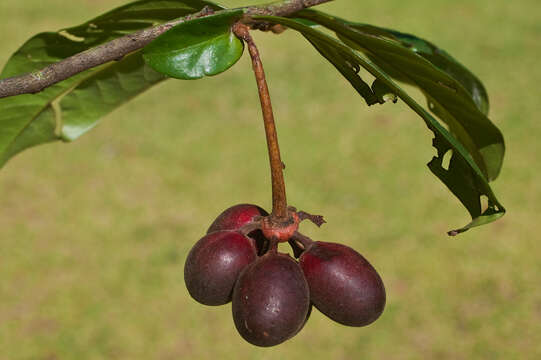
{"x": 270, "y": 300}
{"x": 236, "y": 217}
{"x": 343, "y": 284}
{"x": 214, "y": 264}
{"x": 305, "y": 320}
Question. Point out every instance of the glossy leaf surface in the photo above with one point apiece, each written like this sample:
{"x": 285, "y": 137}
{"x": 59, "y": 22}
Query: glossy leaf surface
{"x": 463, "y": 177}
{"x": 197, "y": 48}
{"x": 68, "y": 109}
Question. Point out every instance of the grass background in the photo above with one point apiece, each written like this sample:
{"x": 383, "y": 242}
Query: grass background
{"x": 93, "y": 234}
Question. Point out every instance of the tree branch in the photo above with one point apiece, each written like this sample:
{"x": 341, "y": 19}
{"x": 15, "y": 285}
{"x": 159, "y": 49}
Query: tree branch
{"x": 116, "y": 49}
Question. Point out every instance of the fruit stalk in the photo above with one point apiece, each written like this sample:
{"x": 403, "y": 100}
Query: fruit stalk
{"x": 279, "y": 202}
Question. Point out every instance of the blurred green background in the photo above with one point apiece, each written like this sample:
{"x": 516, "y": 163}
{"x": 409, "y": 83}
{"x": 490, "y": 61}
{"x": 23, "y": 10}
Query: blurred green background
{"x": 93, "y": 234}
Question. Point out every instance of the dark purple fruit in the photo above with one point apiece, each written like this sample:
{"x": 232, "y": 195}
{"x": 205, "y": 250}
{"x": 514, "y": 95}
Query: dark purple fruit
{"x": 237, "y": 216}
{"x": 305, "y": 320}
{"x": 343, "y": 284}
{"x": 214, "y": 264}
{"x": 270, "y": 300}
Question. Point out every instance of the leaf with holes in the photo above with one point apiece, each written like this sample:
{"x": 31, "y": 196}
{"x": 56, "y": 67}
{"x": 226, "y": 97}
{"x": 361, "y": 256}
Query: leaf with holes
{"x": 463, "y": 177}
{"x": 454, "y": 94}
{"x": 68, "y": 109}
{"x": 197, "y": 48}
{"x": 348, "y": 68}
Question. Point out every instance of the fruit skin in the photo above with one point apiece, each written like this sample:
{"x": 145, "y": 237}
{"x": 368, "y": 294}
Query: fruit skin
{"x": 343, "y": 284}
{"x": 305, "y": 320}
{"x": 235, "y": 217}
{"x": 214, "y": 264}
{"x": 270, "y": 300}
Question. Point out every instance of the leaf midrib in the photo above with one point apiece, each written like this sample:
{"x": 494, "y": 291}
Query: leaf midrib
{"x": 57, "y": 99}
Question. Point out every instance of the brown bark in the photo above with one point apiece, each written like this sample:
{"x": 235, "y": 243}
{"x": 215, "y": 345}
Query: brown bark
{"x": 116, "y": 49}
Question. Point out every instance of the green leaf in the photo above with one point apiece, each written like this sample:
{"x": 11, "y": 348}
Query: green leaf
{"x": 133, "y": 17}
{"x": 345, "y": 65}
{"x": 383, "y": 92}
{"x": 29, "y": 120}
{"x": 438, "y": 57}
{"x": 197, "y": 48}
{"x": 68, "y": 109}
{"x": 463, "y": 177}
{"x": 455, "y": 95}
{"x": 348, "y": 68}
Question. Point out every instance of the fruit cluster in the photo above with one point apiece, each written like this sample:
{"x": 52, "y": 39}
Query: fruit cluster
{"x": 271, "y": 293}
